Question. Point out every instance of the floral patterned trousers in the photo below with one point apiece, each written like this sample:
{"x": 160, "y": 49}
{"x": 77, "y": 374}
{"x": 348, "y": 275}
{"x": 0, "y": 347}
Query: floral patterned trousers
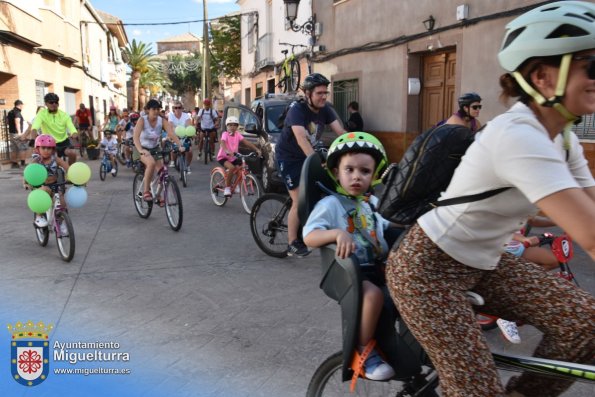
{"x": 428, "y": 287}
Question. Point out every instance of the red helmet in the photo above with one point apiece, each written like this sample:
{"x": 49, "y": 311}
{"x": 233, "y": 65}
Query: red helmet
{"x": 134, "y": 116}
{"x": 45, "y": 141}
{"x": 207, "y": 101}
{"x": 112, "y": 108}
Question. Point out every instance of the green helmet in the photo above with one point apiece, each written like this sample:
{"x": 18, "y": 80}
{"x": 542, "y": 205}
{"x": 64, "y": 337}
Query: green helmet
{"x": 357, "y": 142}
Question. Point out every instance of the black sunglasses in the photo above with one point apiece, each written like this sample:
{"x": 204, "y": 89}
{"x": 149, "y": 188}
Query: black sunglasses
{"x": 177, "y": 107}
{"x": 52, "y": 102}
{"x": 590, "y": 65}
{"x": 476, "y": 107}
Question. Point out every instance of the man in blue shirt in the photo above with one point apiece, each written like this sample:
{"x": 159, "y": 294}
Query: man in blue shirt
{"x": 303, "y": 126}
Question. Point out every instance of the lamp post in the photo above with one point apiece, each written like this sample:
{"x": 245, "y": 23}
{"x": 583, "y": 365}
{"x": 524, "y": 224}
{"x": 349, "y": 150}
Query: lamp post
{"x": 291, "y": 9}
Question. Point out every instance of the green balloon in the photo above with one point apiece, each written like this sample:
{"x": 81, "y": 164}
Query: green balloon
{"x": 190, "y": 130}
{"x": 35, "y": 174}
{"x": 39, "y": 201}
{"x": 180, "y": 131}
{"x": 79, "y": 173}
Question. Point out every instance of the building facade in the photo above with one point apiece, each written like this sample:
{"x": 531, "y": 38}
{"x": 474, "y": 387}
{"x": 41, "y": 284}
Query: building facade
{"x": 60, "y": 46}
{"x": 264, "y": 30}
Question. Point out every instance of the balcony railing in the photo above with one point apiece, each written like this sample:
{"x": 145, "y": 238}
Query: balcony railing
{"x": 264, "y": 51}
{"x": 586, "y": 129}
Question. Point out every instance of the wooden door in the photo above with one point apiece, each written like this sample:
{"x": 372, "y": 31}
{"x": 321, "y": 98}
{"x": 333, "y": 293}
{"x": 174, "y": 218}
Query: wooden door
{"x": 438, "y": 87}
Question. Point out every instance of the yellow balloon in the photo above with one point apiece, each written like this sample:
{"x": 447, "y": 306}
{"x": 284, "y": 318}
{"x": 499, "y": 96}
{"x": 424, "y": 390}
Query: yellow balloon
{"x": 79, "y": 173}
{"x": 180, "y": 131}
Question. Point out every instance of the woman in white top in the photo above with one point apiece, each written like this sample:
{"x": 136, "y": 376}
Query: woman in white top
{"x": 549, "y": 52}
{"x": 180, "y": 118}
{"x": 147, "y": 134}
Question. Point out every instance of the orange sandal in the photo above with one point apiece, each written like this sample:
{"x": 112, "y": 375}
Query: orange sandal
{"x": 147, "y": 196}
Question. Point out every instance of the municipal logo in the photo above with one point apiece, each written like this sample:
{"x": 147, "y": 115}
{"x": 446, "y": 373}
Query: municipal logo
{"x": 29, "y": 352}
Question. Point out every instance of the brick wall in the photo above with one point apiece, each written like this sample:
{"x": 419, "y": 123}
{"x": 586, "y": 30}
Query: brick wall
{"x": 395, "y": 144}
{"x": 9, "y": 90}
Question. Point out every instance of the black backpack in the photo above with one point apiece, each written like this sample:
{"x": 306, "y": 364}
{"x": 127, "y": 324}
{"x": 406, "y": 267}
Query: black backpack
{"x": 413, "y": 186}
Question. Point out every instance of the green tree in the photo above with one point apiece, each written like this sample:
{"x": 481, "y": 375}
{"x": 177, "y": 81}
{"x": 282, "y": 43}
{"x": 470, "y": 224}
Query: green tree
{"x": 184, "y": 73}
{"x": 226, "y": 47}
{"x": 139, "y": 57}
{"x": 153, "y": 80}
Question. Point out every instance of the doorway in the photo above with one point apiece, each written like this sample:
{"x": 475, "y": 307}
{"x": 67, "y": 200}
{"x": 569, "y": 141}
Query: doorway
{"x": 438, "y": 82}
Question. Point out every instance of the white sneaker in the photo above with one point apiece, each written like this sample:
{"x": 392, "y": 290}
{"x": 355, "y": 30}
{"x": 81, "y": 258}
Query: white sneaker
{"x": 188, "y": 170}
{"x": 227, "y": 192}
{"x": 113, "y": 171}
{"x": 509, "y": 330}
{"x": 377, "y": 368}
{"x": 172, "y": 164}
{"x": 40, "y": 221}
{"x": 237, "y": 189}
{"x": 63, "y": 229}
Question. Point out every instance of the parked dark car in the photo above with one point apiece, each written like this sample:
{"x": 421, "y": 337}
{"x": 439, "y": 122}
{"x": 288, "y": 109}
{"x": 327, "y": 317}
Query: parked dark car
{"x": 259, "y": 124}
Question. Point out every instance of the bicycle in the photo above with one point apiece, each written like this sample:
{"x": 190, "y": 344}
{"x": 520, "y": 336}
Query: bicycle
{"x": 268, "y": 223}
{"x": 250, "y": 188}
{"x": 182, "y": 166}
{"x": 206, "y": 148}
{"x": 289, "y": 74}
{"x": 121, "y": 154}
{"x": 162, "y": 183}
{"x": 268, "y": 218}
{"x": 415, "y": 375}
{"x": 106, "y": 166}
{"x": 56, "y": 217}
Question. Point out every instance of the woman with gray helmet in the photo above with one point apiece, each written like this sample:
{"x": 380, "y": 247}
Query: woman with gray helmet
{"x": 549, "y": 56}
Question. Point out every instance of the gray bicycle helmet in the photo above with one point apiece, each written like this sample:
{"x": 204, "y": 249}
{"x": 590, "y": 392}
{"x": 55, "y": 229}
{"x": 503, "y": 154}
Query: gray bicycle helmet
{"x": 51, "y": 97}
{"x": 553, "y": 29}
{"x": 468, "y": 98}
{"x": 314, "y": 80}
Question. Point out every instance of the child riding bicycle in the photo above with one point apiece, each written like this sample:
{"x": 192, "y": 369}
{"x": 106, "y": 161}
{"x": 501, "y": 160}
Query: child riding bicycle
{"x": 348, "y": 219}
{"x": 230, "y": 143}
{"x": 109, "y": 144}
{"x": 45, "y": 154}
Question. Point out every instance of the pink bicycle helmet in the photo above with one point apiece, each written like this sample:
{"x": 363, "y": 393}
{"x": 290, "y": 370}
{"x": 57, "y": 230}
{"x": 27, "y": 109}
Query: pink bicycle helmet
{"x": 45, "y": 141}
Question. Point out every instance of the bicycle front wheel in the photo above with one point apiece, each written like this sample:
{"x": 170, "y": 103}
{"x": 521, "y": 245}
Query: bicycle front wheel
{"x": 143, "y": 207}
{"x": 102, "y": 171}
{"x": 268, "y": 223}
{"x": 42, "y": 234}
{"x": 64, "y": 236}
{"x": 173, "y": 204}
{"x": 183, "y": 169}
{"x": 120, "y": 155}
{"x": 294, "y": 80}
{"x": 250, "y": 190}
{"x": 206, "y": 148}
{"x": 218, "y": 187}
{"x": 327, "y": 382}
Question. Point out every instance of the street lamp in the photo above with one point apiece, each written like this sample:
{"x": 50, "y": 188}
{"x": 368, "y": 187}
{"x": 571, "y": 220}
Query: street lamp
{"x": 429, "y": 23}
{"x": 291, "y": 9}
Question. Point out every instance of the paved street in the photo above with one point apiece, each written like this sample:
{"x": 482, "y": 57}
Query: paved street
{"x": 201, "y": 312}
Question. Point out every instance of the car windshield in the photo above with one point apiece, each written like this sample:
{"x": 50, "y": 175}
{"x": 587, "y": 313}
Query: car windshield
{"x": 273, "y": 114}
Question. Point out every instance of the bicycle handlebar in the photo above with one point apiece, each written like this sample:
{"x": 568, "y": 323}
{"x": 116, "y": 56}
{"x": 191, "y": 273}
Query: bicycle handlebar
{"x": 242, "y": 156}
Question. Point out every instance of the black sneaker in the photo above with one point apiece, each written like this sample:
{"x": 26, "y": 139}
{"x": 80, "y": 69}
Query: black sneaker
{"x": 297, "y": 248}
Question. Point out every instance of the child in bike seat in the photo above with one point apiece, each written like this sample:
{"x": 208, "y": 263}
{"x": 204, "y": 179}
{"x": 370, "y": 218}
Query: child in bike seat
{"x": 348, "y": 218}
{"x": 230, "y": 144}
{"x": 45, "y": 154}
{"x": 109, "y": 143}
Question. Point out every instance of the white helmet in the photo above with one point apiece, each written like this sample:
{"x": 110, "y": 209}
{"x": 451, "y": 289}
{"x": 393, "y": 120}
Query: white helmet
{"x": 553, "y": 29}
{"x": 232, "y": 120}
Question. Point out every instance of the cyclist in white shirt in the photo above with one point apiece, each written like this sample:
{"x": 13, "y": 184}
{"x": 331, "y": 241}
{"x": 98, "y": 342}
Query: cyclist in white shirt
{"x": 548, "y": 52}
{"x": 209, "y": 120}
{"x": 180, "y": 118}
